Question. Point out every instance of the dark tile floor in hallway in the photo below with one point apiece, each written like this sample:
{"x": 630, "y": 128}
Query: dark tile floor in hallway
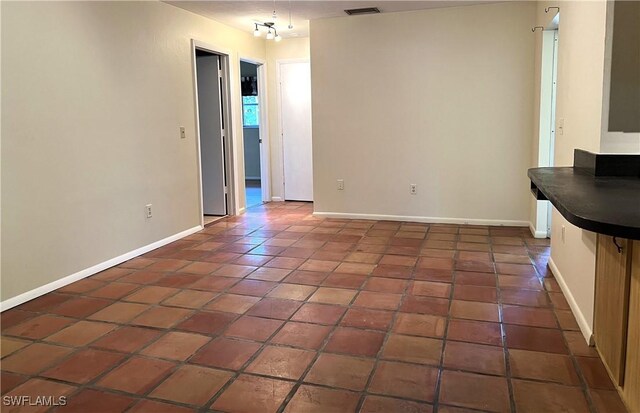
{"x": 279, "y": 311}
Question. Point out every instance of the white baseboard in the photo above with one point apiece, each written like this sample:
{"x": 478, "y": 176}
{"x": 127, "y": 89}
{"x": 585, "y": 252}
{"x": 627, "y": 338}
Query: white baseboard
{"x": 242, "y": 210}
{"x": 47, "y": 288}
{"x": 585, "y": 329}
{"x": 430, "y": 220}
{"x": 537, "y": 234}
{"x": 276, "y": 199}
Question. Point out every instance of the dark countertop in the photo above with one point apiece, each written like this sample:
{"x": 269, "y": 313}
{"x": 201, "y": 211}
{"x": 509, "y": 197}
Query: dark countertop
{"x": 603, "y": 204}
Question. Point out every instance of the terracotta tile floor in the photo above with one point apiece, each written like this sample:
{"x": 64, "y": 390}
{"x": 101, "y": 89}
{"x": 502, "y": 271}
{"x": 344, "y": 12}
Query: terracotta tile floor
{"x": 278, "y": 311}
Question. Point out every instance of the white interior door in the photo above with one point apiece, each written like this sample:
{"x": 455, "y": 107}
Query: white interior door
{"x": 295, "y": 90}
{"x": 211, "y": 134}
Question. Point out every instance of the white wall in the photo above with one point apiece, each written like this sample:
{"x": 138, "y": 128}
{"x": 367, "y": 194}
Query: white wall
{"x": 440, "y": 98}
{"x": 581, "y": 54}
{"x": 292, "y": 48}
{"x": 93, "y": 94}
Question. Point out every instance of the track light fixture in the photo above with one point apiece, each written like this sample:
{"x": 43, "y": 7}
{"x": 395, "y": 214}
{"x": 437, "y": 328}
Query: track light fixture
{"x": 272, "y": 33}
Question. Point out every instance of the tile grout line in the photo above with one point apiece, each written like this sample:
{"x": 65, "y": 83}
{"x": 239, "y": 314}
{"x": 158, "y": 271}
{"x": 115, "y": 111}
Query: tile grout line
{"x": 505, "y": 347}
{"x": 436, "y": 400}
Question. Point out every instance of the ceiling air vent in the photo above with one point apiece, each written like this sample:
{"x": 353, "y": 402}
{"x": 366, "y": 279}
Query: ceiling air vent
{"x": 364, "y": 10}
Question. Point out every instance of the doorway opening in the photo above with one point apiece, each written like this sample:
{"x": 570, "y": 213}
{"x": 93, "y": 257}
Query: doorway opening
{"x": 547, "y": 126}
{"x": 294, "y": 81}
{"x": 211, "y": 74}
{"x": 251, "y": 125}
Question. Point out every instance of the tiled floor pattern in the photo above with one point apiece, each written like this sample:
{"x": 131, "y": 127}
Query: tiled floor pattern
{"x": 279, "y": 311}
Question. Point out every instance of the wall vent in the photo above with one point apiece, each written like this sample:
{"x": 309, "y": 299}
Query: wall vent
{"x": 364, "y": 10}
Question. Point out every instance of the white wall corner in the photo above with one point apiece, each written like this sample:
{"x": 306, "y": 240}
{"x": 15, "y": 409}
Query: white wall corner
{"x": 584, "y": 325}
{"x": 87, "y": 272}
{"x": 537, "y": 233}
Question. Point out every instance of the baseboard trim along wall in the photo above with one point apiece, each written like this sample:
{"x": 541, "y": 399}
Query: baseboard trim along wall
{"x": 47, "y": 288}
{"x": 429, "y": 220}
{"x": 537, "y": 234}
{"x": 585, "y": 329}
{"x": 276, "y": 199}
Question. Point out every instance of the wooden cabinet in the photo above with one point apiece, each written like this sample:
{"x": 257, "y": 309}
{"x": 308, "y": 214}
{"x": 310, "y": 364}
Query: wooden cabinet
{"x": 631, "y": 386}
{"x": 617, "y": 314}
{"x": 612, "y": 302}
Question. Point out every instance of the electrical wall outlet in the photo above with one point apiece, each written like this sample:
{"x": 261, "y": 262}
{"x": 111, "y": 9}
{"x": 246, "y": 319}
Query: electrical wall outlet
{"x": 340, "y": 184}
{"x": 147, "y": 209}
{"x": 183, "y": 135}
{"x": 560, "y": 126}
{"x": 413, "y": 189}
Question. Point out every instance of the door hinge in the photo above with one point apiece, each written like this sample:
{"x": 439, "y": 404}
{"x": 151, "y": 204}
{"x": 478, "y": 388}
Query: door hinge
{"x": 226, "y": 190}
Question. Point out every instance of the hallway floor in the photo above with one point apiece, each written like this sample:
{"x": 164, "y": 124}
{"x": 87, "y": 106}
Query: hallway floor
{"x": 253, "y": 193}
{"x": 277, "y": 311}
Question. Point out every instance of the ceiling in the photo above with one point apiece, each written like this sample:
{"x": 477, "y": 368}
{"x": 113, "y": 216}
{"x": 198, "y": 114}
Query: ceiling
{"x": 242, "y": 14}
